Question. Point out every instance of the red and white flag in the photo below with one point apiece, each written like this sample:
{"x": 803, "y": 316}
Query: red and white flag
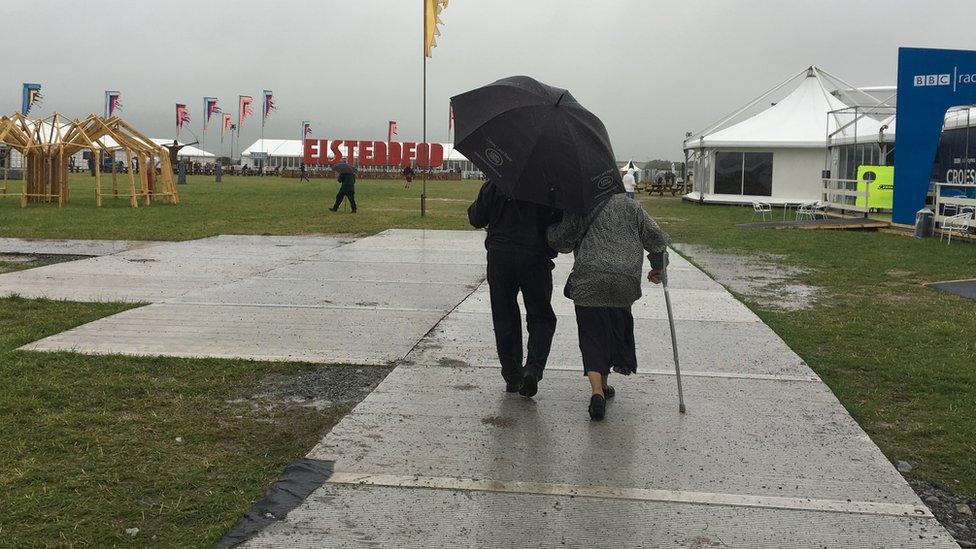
{"x": 392, "y": 131}
{"x": 244, "y": 110}
{"x": 182, "y": 115}
{"x": 227, "y": 124}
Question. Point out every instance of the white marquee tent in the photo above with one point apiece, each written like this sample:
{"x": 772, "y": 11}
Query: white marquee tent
{"x": 778, "y": 154}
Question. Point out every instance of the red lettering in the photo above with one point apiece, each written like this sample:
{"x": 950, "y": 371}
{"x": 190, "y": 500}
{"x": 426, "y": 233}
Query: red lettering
{"x": 365, "y": 153}
{"x": 379, "y": 155}
{"x": 351, "y": 151}
{"x": 396, "y": 154}
{"x": 311, "y": 152}
{"x": 409, "y": 151}
{"x": 423, "y": 155}
{"x": 436, "y": 155}
{"x": 336, "y": 153}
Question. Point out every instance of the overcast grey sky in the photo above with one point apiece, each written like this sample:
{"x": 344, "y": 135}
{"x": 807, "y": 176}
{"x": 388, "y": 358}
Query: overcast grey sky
{"x": 650, "y": 69}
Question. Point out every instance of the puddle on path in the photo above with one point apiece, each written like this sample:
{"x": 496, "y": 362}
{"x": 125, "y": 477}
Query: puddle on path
{"x": 767, "y": 279}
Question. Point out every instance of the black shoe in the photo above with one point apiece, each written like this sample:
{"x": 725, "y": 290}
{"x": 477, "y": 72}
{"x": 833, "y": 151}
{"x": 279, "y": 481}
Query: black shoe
{"x": 512, "y": 387}
{"x": 598, "y": 407}
{"x": 354, "y": 211}
{"x": 333, "y": 209}
{"x": 608, "y": 392}
{"x": 530, "y": 385}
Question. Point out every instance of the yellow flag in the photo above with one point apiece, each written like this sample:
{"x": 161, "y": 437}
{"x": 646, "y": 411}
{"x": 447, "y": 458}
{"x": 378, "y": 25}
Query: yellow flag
{"x": 432, "y": 11}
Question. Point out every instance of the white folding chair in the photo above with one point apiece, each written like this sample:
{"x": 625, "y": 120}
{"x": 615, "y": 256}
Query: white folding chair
{"x": 819, "y": 209}
{"x": 958, "y": 222}
{"x": 762, "y": 209}
{"x": 805, "y": 211}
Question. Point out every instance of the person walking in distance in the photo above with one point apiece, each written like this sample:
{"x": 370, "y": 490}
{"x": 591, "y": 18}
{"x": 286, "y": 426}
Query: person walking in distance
{"x": 519, "y": 260}
{"x": 347, "y": 190}
{"x": 630, "y": 184}
{"x": 304, "y": 172}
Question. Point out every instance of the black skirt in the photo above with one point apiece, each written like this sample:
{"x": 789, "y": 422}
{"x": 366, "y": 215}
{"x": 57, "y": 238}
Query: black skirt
{"x": 606, "y": 339}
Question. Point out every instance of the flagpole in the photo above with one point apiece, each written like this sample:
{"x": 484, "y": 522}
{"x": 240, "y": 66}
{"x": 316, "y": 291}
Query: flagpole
{"x": 423, "y": 46}
{"x": 203, "y": 139}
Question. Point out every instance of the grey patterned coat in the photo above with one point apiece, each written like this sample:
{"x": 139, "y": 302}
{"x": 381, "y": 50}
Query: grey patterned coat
{"x": 609, "y": 263}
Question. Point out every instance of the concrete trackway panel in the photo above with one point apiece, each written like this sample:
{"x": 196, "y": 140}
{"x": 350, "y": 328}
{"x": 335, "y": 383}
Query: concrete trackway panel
{"x": 278, "y": 298}
{"x": 162, "y": 271}
{"x": 439, "y": 456}
{"x": 54, "y": 246}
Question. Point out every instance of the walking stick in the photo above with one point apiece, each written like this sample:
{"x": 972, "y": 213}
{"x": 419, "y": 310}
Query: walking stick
{"x": 674, "y": 339}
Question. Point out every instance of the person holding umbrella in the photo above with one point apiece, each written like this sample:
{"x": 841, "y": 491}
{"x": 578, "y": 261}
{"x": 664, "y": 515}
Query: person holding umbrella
{"x": 537, "y": 144}
{"x": 519, "y": 260}
{"x": 347, "y": 186}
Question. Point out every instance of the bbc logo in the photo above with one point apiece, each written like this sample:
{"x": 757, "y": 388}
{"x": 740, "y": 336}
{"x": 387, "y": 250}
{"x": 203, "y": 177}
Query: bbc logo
{"x": 933, "y": 80}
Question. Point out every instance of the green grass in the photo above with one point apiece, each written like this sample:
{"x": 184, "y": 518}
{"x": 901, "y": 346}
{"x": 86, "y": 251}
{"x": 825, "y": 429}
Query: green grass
{"x": 88, "y": 444}
{"x": 240, "y": 205}
{"x": 11, "y": 266}
{"x": 901, "y": 357}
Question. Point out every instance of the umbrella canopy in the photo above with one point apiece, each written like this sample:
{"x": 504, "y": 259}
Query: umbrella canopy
{"x": 343, "y": 167}
{"x": 537, "y": 143}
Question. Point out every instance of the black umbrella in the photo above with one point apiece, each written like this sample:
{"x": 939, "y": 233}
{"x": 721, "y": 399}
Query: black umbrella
{"x": 343, "y": 167}
{"x": 537, "y": 143}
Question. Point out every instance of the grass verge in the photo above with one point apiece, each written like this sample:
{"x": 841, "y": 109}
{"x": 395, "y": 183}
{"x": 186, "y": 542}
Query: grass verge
{"x": 89, "y": 445}
{"x": 241, "y": 205}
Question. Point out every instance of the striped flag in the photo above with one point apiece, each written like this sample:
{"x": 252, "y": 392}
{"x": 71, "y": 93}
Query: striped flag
{"x": 244, "y": 109}
{"x": 210, "y": 108}
{"x": 32, "y": 96}
{"x": 182, "y": 115}
{"x": 269, "y": 106}
{"x": 306, "y": 129}
{"x": 227, "y": 125}
{"x": 392, "y": 132}
{"x": 112, "y": 103}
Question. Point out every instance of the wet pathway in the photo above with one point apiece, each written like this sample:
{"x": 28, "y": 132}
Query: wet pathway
{"x": 439, "y": 456}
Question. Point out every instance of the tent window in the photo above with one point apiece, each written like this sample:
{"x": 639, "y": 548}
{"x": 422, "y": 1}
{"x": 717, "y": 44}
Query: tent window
{"x": 728, "y": 173}
{"x": 744, "y": 173}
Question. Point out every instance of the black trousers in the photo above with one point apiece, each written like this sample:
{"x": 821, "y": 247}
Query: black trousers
{"x": 606, "y": 339}
{"x": 351, "y": 195}
{"x": 511, "y": 271}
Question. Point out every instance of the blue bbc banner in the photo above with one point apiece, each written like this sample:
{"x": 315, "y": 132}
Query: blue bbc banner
{"x": 930, "y": 81}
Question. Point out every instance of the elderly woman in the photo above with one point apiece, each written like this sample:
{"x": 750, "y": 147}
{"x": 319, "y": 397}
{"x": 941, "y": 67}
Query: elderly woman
{"x": 608, "y": 244}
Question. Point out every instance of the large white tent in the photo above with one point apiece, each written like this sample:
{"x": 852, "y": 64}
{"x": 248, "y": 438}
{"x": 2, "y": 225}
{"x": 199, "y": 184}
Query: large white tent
{"x": 779, "y": 153}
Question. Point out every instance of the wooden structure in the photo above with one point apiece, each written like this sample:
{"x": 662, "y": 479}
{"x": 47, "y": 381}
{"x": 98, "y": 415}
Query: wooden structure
{"x": 46, "y": 145}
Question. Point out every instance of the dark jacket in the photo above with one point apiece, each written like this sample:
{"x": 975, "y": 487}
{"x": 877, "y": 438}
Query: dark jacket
{"x": 347, "y": 182}
{"x": 512, "y": 224}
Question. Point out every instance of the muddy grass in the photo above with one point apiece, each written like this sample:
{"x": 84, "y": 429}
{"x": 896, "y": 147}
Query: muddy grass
{"x": 18, "y": 262}
{"x": 767, "y": 279}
